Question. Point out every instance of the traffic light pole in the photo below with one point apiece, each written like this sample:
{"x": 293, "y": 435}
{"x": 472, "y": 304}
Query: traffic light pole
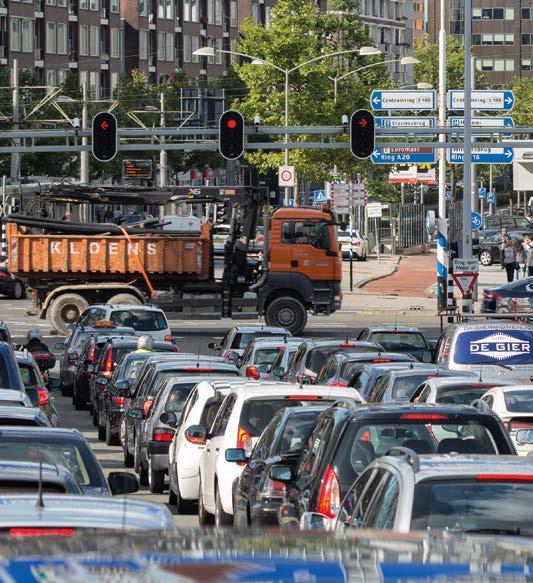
{"x": 84, "y": 154}
{"x": 287, "y": 188}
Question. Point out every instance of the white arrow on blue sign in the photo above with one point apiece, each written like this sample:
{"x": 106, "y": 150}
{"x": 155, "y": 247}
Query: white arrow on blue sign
{"x": 491, "y": 198}
{"x": 482, "y": 192}
{"x": 485, "y": 99}
{"x": 448, "y": 195}
{"x": 483, "y": 155}
{"x": 405, "y": 123}
{"x": 404, "y": 156}
{"x": 481, "y": 122}
{"x": 385, "y": 100}
{"x": 477, "y": 221}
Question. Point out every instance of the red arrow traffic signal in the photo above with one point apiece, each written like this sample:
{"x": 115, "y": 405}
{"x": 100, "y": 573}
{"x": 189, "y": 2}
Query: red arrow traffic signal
{"x": 362, "y": 133}
{"x": 104, "y": 136}
{"x": 104, "y": 125}
{"x": 363, "y": 123}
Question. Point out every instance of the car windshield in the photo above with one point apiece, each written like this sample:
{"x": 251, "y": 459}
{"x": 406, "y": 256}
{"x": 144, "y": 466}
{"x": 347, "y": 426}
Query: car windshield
{"x": 473, "y": 504}
{"x": 140, "y": 320}
{"x": 265, "y": 355}
{"x": 403, "y": 387}
{"x": 296, "y": 432}
{"x": 372, "y": 440}
{"x": 77, "y": 461}
{"x": 256, "y": 414}
{"x": 178, "y": 395}
{"x": 29, "y": 375}
{"x": 461, "y": 394}
{"x": 498, "y": 346}
{"x": 316, "y": 357}
{"x": 395, "y": 341}
{"x": 518, "y": 401}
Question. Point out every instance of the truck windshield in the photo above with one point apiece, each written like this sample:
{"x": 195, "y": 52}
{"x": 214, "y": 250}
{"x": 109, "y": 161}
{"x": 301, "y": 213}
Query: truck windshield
{"x": 306, "y": 233}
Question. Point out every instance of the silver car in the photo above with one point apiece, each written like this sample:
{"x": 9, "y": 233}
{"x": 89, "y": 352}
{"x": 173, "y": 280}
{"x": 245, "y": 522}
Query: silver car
{"x": 257, "y": 358}
{"x": 492, "y": 348}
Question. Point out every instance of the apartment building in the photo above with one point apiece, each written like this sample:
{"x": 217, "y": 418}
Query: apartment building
{"x": 502, "y": 35}
{"x": 419, "y": 17}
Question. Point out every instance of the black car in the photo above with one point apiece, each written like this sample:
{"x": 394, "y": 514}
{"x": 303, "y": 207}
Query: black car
{"x": 141, "y": 397}
{"x": 256, "y": 497}
{"x": 345, "y": 440}
{"x": 110, "y": 355}
{"x": 63, "y": 447}
{"x": 11, "y": 286}
{"x": 489, "y": 249}
{"x": 516, "y": 296}
{"x": 397, "y": 338}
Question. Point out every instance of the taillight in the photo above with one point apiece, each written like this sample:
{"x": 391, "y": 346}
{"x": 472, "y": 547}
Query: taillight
{"x": 168, "y": 337}
{"x": 244, "y": 441}
{"x": 424, "y": 416}
{"x": 119, "y": 400}
{"x": 376, "y": 360}
{"x": 20, "y": 531}
{"x": 273, "y": 489}
{"x": 44, "y": 397}
{"x": 260, "y": 239}
{"x": 197, "y": 369}
{"x": 338, "y": 384}
{"x": 303, "y": 397}
{"x": 72, "y": 358}
{"x": 503, "y": 478}
{"x": 91, "y": 353}
{"x": 514, "y": 425}
{"x": 252, "y": 372}
{"x": 492, "y": 296}
{"x": 108, "y": 364}
{"x": 163, "y": 434}
{"x": 147, "y": 406}
{"x": 347, "y": 345}
{"x": 329, "y": 498}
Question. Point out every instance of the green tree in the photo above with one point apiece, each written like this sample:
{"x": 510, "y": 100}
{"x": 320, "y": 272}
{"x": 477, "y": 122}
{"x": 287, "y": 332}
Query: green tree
{"x": 299, "y": 32}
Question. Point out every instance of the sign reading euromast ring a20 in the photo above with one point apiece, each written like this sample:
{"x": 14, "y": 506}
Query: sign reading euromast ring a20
{"x": 385, "y": 100}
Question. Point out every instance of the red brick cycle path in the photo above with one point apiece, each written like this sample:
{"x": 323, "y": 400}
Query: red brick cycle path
{"x": 415, "y": 274}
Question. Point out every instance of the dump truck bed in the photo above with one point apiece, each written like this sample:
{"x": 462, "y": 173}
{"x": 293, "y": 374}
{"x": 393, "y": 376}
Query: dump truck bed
{"x": 79, "y": 256}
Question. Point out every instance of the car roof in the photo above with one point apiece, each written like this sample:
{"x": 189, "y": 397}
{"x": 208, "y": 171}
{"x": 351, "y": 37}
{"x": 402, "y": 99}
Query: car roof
{"x": 101, "y": 330}
{"x": 260, "y": 328}
{"x": 255, "y": 389}
{"x": 6, "y": 394}
{"x": 16, "y": 412}
{"x": 269, "y": 342}
{"x": 489, "y": 325}
{"x": 146, "y": 307}
{"x": 354, "y": 357}
{"x": 393, "y": 410}
{"x": 393, "y": 328}
{"x": 507, "y": 388}
{"x": 438, "y": 382}
{"x": 216, "y": 381}
{"x": 179, "y": 356}
{"x": 41, "y": 433}
{"x": 84, "y": 512}
{"x": 200, "y": 363}
{"x": 427, "y": 368}
{"x": 20, "y": 469}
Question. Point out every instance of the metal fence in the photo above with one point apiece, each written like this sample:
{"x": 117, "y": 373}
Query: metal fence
{"x": 455, "y": 221}
{"x": 411, "y": 225}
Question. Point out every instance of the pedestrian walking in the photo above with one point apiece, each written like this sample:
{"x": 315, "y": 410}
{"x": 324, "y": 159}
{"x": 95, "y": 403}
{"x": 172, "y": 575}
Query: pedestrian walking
{"x": 509, "y": 259}
{"x": 520, "y": 259}
{"x": 528, "y": 248}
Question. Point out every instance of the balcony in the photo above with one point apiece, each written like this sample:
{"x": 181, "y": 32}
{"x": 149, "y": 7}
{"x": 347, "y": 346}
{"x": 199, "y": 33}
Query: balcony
{"x": 72, "y": 59}
{"x": 38, "y": 55}
{"x": 38, "y": 7}
{"x": 104, "y": 16}
{"x": 3, "y": 58}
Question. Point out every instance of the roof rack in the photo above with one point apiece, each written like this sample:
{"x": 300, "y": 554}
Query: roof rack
{"x": 404, "y": 452}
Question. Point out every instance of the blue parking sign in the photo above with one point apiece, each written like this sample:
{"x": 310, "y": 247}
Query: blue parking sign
{"x": 491, "y": 199}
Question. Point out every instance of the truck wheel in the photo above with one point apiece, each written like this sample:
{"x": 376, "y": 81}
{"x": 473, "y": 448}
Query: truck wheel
{"x": 125, "y": 299}
{"x": 65, "y": 310}
{"x": 288, "y": 313}
{"x": 18, "y": 290}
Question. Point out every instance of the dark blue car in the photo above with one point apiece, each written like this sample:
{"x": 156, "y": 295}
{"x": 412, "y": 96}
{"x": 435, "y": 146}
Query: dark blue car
{"x": 10, "y": 377}
{"x": 516, "y": 296}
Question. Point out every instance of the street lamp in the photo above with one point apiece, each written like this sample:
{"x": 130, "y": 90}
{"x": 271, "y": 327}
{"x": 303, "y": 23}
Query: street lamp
{"x": 210, "y": 52}
{"x": 402, "y": 61}
{"x": 420, "y": 85}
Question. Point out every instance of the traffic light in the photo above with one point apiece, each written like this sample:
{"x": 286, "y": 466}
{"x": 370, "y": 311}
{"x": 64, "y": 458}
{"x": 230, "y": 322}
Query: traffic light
{"x": 104, "y": 136}
{"x": 362, "y": 133}
{"x": 231, "y": 135}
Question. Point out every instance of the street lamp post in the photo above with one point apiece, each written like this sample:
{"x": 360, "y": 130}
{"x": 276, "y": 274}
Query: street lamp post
{"x": 209, "y": 52}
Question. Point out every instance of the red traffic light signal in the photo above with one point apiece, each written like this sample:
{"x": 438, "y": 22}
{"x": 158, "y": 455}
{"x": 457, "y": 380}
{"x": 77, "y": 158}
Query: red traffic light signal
{"x": 362, "y": 129}
{"x": 231, "y": 135}
{"x": 104, "y": 136}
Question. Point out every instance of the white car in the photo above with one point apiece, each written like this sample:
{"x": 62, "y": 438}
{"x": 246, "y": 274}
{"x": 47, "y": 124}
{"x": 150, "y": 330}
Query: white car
{"x": 243, "y": 415}
{"x": 359, "y": 244}
{"x": 514, "y": 405}
{"x": 237, "y": 339}
{"x": 143, "y": 319}
{"x": 185, "y": 450}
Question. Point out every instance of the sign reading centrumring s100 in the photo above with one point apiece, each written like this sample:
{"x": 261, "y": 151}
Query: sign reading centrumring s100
{"x": 104, "y": 136}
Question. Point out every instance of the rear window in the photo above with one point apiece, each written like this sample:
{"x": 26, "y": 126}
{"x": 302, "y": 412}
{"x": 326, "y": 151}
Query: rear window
{"x": 133, "y": 367}
{"x": 29, "y": 375}
{"x": 242, "y": 339}
{"x": 399, "y": 340}
{"x": 296, "y": 432}
{"x": 140, "y": 320}
{"x": 265, "y": 356}
{"x": 178, "y": 395}
{"x": 461, "y": 394}
{"x": 316, "y": 357}
{"x": 82, "y": 340}
{"x": 474, "y": 504}
{"x": 27, "y": 487}
{"x": 404, "y": 386}
{"x": 368, "y": 441}
{"x": 519, "y": 401}
{"x": 256, "y": 414}
{"x": 497, "y": 346}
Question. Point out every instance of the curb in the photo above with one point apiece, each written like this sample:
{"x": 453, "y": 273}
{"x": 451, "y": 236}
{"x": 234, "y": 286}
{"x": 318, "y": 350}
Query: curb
{"x": 392, "y": 269}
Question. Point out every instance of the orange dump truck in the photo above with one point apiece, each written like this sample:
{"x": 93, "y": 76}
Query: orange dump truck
{"x": 299, "y": 273}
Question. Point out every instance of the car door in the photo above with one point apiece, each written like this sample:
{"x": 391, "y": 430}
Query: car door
{"x": 183, "y": 423}
{"x": 214, "y": 448}
{"x": 381, "y": 511}
{"x": 362, "y": 501}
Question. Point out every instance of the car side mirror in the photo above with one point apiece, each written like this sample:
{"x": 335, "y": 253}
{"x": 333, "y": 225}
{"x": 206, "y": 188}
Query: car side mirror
{"x": 122, "y": 386}
{"x": 169, "y": 418}
{"x": 281, "y": 473}
{"x": 314, "y": 521}
{"x": 136, "y": 414}
{"x": 101, "y": 381}
{"x": 306, "y": 380}
{"x": 196, "y": 434}
{"x": 122, "y": 483}
{"x": 235, "y": 454}
{"x": 524, "y": 437}
{"x": 54, "y": 384}
{"x": 213, "y": 346}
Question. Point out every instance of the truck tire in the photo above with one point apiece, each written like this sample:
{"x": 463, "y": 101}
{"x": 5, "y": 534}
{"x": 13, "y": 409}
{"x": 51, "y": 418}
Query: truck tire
{"x": 287, "y": 312}
{"x": 66, "y": 309}
{"x": 125, "y": 299}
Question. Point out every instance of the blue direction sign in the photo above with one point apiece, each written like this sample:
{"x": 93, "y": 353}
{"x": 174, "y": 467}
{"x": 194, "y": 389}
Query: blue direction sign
{"x": 405, "y": 123}
{"x": 487, "y": 99}
{"x": 484, "y": 122}
{"x": 477, "y": 221}
{"x": 385, "y": 100}
{"x": 403, "y": 155}
{"x": 482, "y": 192}
{"x": 491, "y": 199}
{"x": 483, "y": 155}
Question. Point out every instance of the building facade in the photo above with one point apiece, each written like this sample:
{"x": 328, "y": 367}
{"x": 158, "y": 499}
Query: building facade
{"x": 502, "y": 35}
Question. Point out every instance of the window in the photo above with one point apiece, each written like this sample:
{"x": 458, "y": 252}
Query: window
{"x": 233, "y": 13}
{"x": 210, "y": 12}
{"x": 94, "y": 41}
{"x": 84, "y": 4}
{"x": 61, "y": 2}
{"x": 526, "y": 39}
{"x": 51, "y": 78}
{"x": 143, "y": 8}
{"x": 143, "y": 44}
{"x": 233, "y": 49}
{"x": 187, "y": 52}
{"x": 218, "y": 54}
{"x": 50, "y": 2}
{"x": 186, "y": 10}
{"x": 363, "y": 502}
{"x": 94, "y": 84}
{"x": 114, "y": 82}
{"x": 194, "y": 10}
{"x": 224, "y": 413}
{"x": 256, "y": 13}
{"x": 115, "y": 42}
{"x": 300, "y": 233}
{"x": 195, "y": 43}
{"x": 160, "y": 46}
{"x": 527, "y": 13}
{"x": 353, "y": 497}
{"x": 495, "y": 65}
{"x": 493, "y": 13}
{"x": 268, "y": 16}
{"x": 63, "y": 75}
{"x": 61, "y": 38}
{"x": 218, "y": 12}
{"x": 94, "y": 5}
{"x": 312, "y": 453}
{"x": 526, "y": 64}
{"x": 170, "y": 46}
{"x": 211, "y": 58}
{"x": 15, "y": 36}
{"x": 161, "y": 9}
{"x": 115, "y": 6}
{"x": 169, "y": 9}
{"x": 21, "y": 35}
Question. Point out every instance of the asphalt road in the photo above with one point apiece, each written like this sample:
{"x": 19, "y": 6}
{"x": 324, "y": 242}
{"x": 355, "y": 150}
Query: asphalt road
{"x": 191, "y": 336}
